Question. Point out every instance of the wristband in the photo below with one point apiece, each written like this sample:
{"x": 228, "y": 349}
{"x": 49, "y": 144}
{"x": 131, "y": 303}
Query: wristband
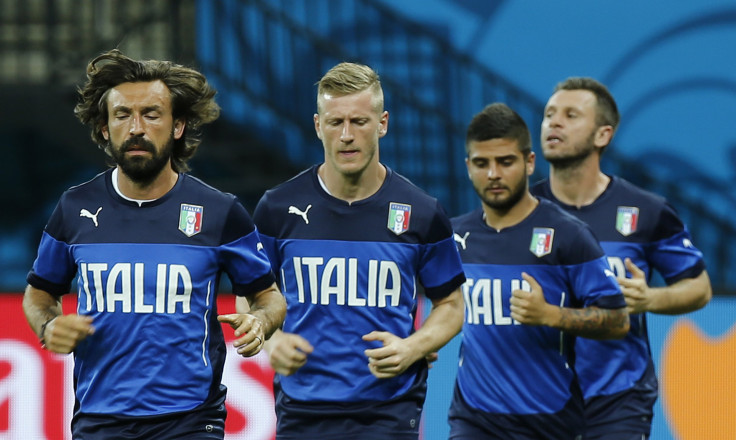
{"x": 43, "y": 330}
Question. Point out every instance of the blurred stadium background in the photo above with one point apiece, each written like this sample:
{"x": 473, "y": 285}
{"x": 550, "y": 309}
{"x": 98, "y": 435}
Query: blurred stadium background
{"x": 669, "y": 64}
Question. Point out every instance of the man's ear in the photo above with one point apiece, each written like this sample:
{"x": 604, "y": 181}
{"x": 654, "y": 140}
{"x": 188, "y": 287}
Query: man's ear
{"x": 316, "y": 126}
{"x": 383, "y": 124}
{"x": 179, "y": 126}
{"x": 530, "y": 163}
{"x": 603, "y": 136}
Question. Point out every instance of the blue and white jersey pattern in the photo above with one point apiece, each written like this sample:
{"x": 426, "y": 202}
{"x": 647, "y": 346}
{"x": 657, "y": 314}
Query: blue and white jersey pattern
{"x": 630, "y": 223}
{"x": 507, "y": 367}
{"x": 347, "y": 269}
{"x": 148, "y": 275}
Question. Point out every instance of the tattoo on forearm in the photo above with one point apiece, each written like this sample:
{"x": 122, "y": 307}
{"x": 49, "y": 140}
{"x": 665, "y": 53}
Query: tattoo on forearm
{"x": 593, "y": 322}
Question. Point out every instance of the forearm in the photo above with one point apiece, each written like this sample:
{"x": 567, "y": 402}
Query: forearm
{"x": 443, "y": 323}
{"x": 684, "y": 296}
{"x": 39, "y": 307}
{"x": 593, "y": 322}
{"x": 269, "y": 307}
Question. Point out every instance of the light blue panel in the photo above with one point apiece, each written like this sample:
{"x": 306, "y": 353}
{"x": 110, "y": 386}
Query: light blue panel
{"x": 715, "y": 320}
{"x": 669, "y": 64}
{"x": 439, "y": 394}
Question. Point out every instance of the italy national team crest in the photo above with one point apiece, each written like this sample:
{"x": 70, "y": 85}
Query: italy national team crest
{"x": 541, "y": 244}
{"x": 627, "y": 218}
{"x": 398, "y": 217}
{"x": 190, "y": 219}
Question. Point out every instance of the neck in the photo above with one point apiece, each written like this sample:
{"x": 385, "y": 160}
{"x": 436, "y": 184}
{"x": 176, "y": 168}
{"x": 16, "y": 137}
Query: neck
{"x": 352, "y": 188}
{"x": 580, "y": 185}
{"x": 499, "y": 219}
{"x": 159, "y": 186}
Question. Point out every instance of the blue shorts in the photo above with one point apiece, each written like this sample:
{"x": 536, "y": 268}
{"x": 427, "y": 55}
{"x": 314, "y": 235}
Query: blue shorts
{"x": 396, "y": 419}
{"x": 468, "y": 423}
{"x": 200, "y": 424}
{"x": 624, "y": 415}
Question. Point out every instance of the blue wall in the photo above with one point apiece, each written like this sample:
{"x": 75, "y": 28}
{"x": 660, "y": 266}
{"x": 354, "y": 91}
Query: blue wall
{"x": 670, "y": 64}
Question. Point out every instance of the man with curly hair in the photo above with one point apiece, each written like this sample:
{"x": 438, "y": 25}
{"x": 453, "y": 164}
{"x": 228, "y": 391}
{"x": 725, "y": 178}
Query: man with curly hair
{"x": 147, "y": 245}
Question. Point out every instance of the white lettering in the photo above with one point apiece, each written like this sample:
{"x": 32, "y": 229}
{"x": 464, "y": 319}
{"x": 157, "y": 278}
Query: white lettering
{"x": 179, "y": 272}
{"x": 120, "y": 272}
{"x": 484, "y": 300}
{"x": 312, "y": 264}
{"x": 389, "y": 275}
{"x": 160, "y": 288}
{"x": 298, "y": 277}
{"x": 85, "y": 286}
{"x": 334, "y": 280}
{"x": 481, "y": 290}
{"x": 97, "y": 269}
{"x": 353, "y": 299}
{"x": 140, "y": 305}
{"x": 617, "y": 266}
{"x": 124, "y": 287}
{"x": 335, "y": 267}
{"x": 372, "y": 281}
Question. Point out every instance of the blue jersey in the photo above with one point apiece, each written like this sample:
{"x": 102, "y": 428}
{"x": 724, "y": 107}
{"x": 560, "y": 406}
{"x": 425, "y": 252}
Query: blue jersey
{"x": 506, "y": 367}
{"x": 347, "y": 269}
{"x": 148, "y": 275}
{"x": 629, "y": 223}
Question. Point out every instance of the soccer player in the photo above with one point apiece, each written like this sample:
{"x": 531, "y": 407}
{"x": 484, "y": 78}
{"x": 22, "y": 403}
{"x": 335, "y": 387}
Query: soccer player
{"x": 148, "y": 244}
{"x": 640, "y": 232}
{"x": 537, "y": 279}
{"x": 351, "y": 241}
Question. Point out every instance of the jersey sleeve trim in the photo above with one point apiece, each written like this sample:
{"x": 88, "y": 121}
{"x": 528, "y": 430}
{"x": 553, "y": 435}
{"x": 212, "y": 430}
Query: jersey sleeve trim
{"x": 55, "y": 290}
{"x": 256, "y": 286}
{"x": 691, "y": 272}
{"x": 610, "y": 302}
{"x": 445, "y": 289}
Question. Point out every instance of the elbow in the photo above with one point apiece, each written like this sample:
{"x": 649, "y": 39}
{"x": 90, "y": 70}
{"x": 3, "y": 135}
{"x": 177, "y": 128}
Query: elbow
{"x": 458, "y": 317}
{"x": 703, "y": 299}
{"x": 454, "y": 321}
{"x": 706, "y": 296}
{"x": 706, "y": 292}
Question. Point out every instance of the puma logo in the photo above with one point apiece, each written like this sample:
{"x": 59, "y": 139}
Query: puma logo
{"x": 85, "y": 213}
{"x": 294, "y": 210}
{"x": 462, "y": 239}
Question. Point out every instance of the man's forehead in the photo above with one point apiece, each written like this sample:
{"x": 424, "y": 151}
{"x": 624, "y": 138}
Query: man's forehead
{"x": 141, "y": 93}
{"x": 578, "y": 98}
{"x": 494, "y": 148}
{"x": 357, "y": 103}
